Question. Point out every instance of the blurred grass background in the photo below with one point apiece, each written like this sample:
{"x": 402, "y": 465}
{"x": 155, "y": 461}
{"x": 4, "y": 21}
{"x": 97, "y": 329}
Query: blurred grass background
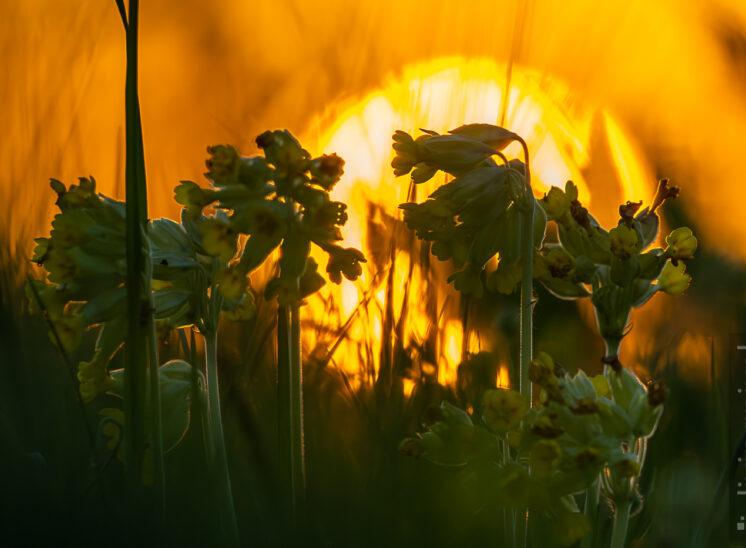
{"x": 223, "y": 72}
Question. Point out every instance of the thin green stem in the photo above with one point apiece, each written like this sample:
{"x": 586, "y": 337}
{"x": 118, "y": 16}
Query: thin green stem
{"x": 297, "y": 413}
{"x": 521, "y": 527}
{"x": 220, "y": 464}
{"x": 621, "y": 522}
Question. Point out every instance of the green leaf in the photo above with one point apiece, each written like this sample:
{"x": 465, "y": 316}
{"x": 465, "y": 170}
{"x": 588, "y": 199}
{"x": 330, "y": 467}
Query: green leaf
{"x": 564, "y": 289}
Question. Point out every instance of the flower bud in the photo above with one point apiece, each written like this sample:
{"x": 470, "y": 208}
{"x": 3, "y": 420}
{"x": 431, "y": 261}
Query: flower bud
{"x": 283, "y": 150}
{"x": 541, "y": 370}
{"x": 453, "y": 153}
{"x": 556, "y": 204}
{"x": 407, "y": 154}
{"x": 327, "y": 170}
{"x": 494, "y": 136}
{"x": 222, "y": 165}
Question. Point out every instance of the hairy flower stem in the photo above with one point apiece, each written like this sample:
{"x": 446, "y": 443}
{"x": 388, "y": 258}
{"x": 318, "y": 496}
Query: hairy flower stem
{"x": 156, "y": 418}
{"x": 591, "y": 510}
{"x": 521, "y": 527}
{"x": 290, "y": 412}
{"x": 220, "y": 461}
{"x": 527, "y": 257}
{"x": 621, "y": 521}
{"x": 526, "y": 335}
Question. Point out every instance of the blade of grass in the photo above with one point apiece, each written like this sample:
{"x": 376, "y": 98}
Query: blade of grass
{"x": 141, "y": 349}
{"x": 70, "y": 369}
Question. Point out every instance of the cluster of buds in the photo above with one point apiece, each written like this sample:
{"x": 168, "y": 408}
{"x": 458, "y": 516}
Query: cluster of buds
{"x": 474, "y": 217}
{"x": 616, "y": 268}
{"x": 278, "y": 200}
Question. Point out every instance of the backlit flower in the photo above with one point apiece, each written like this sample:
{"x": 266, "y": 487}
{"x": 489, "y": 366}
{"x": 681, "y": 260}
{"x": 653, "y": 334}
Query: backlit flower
{"x": 503, "y": 409}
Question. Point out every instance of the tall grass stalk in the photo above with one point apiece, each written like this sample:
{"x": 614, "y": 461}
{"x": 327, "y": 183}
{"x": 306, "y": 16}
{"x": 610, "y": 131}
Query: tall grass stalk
{"x": 141, "y": 352}
{"x": 95, "y": 461}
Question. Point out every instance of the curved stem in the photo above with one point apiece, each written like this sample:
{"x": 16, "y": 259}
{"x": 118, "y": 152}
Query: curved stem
{"x": 621, "y": 521}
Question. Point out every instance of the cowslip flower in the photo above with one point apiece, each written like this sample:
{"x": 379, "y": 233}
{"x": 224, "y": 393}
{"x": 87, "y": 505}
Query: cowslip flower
{"x": 681, "y": 244}
{"x": 245, "y": 310}
{"x": 623, "y": 241}
{"x": 673, "y": 280}
{"x": 344, "y": 261}
{"x": 556, "y": 203}
{"x": 218, "y": 238}
{"x": 503, "y": 409}
{"x": 545, "y": 457}
{"x": 94, "y": 378}
{"x": 571, "y": 527}
{"x": 232, "y": 281}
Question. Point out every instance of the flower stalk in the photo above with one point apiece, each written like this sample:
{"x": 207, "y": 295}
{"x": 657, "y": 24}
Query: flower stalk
{"x": 290, "y": 411}
{"x": 218, "y": 452}
{"x": 527, "y": 256}
{"x": 621, "y": 522}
